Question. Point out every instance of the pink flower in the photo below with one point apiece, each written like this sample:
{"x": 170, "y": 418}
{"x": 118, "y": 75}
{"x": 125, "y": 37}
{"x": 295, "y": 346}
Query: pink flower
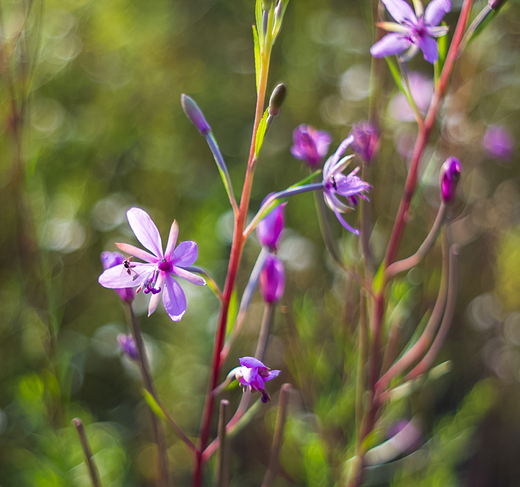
{"x": 112, "y": 259}
{"x": 272, "y": 279}
{"x": 270, "y": 228}
{"x": 157, "y": 272}
{"x": 310, "y": 145}
{"x": 254, "y": 374}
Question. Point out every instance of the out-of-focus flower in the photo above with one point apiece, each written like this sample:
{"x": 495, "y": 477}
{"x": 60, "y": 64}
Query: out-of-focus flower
{"x": 112, "y": 259}
{"x": 157, "y": 271}
{"x": 194, "y": 114}
{"x": 270, "y": 228}
{"x": 272, "y": 279}
{"x": 413, "y": 31}
{"x": 254, "y": 374}
{"x": 127, "y": 345}
{"x": 351, "y": 187}
{"x": 310, "y": 145}
{"x": 450, "y": 175}
{"x": 497, "y": 142}
{"x": 421, "y": 88}
{"x": 366, "y": 140}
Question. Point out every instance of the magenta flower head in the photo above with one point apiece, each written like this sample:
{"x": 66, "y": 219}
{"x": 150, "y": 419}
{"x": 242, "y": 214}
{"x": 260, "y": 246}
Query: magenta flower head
{"x": 159, "y": 268}
{"x": 269, "y": 229}
{"x": 413, "y": 30}
{"x": 272, "y": 279}
{"x": 310, "y": 145}
{"x": 112, "y": 259}
{"x": 366, "y": 140}
{"x": 497, "y": 142}
{"x": 335, "y": 183}
{"x": 450, "y": 175}
{"x": 127, "y": 345}
{"x": 253, "y": 374}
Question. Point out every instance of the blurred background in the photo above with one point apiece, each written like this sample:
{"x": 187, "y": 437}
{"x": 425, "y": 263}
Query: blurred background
{"x": 92, "y": 125}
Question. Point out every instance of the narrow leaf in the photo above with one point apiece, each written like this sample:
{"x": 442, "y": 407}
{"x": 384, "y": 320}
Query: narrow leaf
{"x": 394, "y": 70}
{"x": 156, "y": 409}
{"x": 232, "y": 312}
{"x": 258, "y": 63}
{"x": 260, "y": 133}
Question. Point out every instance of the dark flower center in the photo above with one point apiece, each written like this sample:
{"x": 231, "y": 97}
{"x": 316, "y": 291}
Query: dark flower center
{"x": 165, "y": 266}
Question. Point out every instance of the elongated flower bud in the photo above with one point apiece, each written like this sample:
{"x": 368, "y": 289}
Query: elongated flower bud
{"x": 496, "y": 4}
{"x": 450, "y": 175}
{"x": 127, "y": 345}
{"x": 195, "y": 115}
{"x": 112, "y": 259}
{"x": 277, "y": 99}
{"x": 270, "y": 228}
{"x": 272, "y": 279}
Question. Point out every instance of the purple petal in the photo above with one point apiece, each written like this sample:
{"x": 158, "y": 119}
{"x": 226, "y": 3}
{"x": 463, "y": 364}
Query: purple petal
{"x": 189, "y": 276}
{"x": 136, "y": 252}
{"x": 334, "y": 158}
{"x": 174, "y": 299}
{"x": 145, "y": 230}
{"x": 154, "y": 299}
{"x": 429, "y": 48}
{"x": 251, "y": 362}
{"x": 297, "y": 152}
{"x": 400, "y": 11}
{"x": 343, "y": 222}
{"x": 435, "y": 11}
{"x": 172, "y": 239}
{"x": 272, "y": 279}
{"x": 272, "y": 374}
{"x": 258, "y": 383}
{"x": 389, "y": 45}
{"x": 111, "y": 259}
{"x": 185, "y": 254}
{"x": 323, "y": 140}
{"x": 117, "y": 277}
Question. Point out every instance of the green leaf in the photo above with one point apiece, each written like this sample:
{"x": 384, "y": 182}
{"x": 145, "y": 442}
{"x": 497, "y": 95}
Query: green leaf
{"x": 257, "y": 57}
{"x": 379, "y": 279}
{"x": 232, "y": 312}
{"x": 396, "y": 74}
{"x": 260, "y": 133}
{"x": 259, "y": 21}
{"x": 443, "y": 49}
{"x": 156, "y": 409}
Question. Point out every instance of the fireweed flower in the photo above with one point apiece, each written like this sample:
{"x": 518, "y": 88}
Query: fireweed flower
{"x": 127, "y": 345}
{"x": 272, "y": 279}
{"x": 270, "y": 228}
{"x": 413, "y": 31}
{"x": 497, "y": 142}
{"x": 112, "y": 259}
{"x": 157, "y": 272}
{"x": 310, "y": 145}
{"x": 351, "y": 187}
{"x": 450, "y": 175}
{"x": 366, "y": 140}
{"x": 253, "y": 374}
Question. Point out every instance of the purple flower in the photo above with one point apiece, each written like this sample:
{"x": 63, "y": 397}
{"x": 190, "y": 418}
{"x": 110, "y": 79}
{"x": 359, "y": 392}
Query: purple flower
{"x": 413, "y": 30}
{"x": 269, "y": 229}
{"x": 156, "y": 273}
{"x": 310, "y": 145}
{"x": 112, "y": 259}
{"x": 366, "y": 140}
{"x": 497, "y": 142}
{"x": 127, "y": 345}
{"x": 421, "y": 90}
{"x": 450, "y": 175}
{"x": 254, "y": 374}
{"x": 350, "y": 187}
{"x": 272, "y": 279}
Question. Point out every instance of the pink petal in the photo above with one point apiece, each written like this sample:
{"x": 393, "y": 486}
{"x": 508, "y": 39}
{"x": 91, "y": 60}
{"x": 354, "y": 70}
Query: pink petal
{"x": 172, "y": 239}
{"x": 429, "y": 48}
{"x": 139, "y": 253}
{"x": 251, "y": 362}
{"x": 400, "y": 11}
{"x": 189, "y": 276}
{"x": 272, "y": 374}
{"x": 389, "y": 45}
{"x": 436, "y": 10}
{"x": 185, "y": 254}
{"x": 145, "y": 230}
{"x": 174, "y": 299}
{"x": 344, "y": 223}
{"x": 117, "y": 277}
{"x": 154, "y": 299}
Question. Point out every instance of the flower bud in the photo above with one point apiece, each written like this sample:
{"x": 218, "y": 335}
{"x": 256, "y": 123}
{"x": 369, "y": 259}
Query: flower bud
{"x": 269, "y": 229}
{"x": 310, "y": 145}
{"x": 449, "y": 176}
{"x": 127, "y": 345}
{"x": 195, "y": 115}
{"x": 112, "y": 259}
{"x": 272, "y": 279}
{"x": 277, "y": 99}
{"x": 366, "y": 140}
{"x": 496, "y": 4}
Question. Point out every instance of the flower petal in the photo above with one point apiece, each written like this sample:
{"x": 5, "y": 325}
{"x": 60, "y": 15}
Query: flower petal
{"x": 400, "y": 11}
{"x": 174, "y": 299}
{"x": 334, "y": 158}
{"x": 344, "y": 223}
{"x": 438, "y": 31}
{"x": 436, "y": 10}
{"x": 389, "y": 45}
{"x": 136, "y": 252}
{"x": 250, "y": 362}
{"x": 429, "y": 48}
{"x": 323, "y": 140}
{"x": 272, "y": 374}
{"x": 172, "y": 239}
{"x": 154, "y": 299}
{"x": 393, "y": 27}
{"x": 189, "y": 276}
{"x": 117, "y": 277}
{"x": 145, "y": 230}
{"x": 185, "y": 254}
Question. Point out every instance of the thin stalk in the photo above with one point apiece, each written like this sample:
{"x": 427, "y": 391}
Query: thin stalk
{"x": 264, "y": 331}
{"x": 222, "y": 470}
{"x": 94, "y": 476}
{"x": 364, "y": 230}
{"x": 362, "y": 356}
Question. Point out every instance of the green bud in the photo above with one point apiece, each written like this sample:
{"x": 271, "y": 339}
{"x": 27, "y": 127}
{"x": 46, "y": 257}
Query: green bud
{"x": 277, "y": 99}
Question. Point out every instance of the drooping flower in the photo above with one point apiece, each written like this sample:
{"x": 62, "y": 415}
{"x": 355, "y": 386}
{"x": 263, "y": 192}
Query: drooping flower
{"x": 253, "y": 374}
{"x": 497, "y": 142}
{"x": 413, "y": 30}
{"x": 272, "y": 279}
{"x": 269, "y": 229}
{"x": 351, "y": 187}
{"x": 310, "y": 145}
{"x": 112, "y": 259}
{"x": 366, "y": 140}
{"x": 450, "y": 175}
{"x": 157, "y": 272}
{"x": 127, "y": 345}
